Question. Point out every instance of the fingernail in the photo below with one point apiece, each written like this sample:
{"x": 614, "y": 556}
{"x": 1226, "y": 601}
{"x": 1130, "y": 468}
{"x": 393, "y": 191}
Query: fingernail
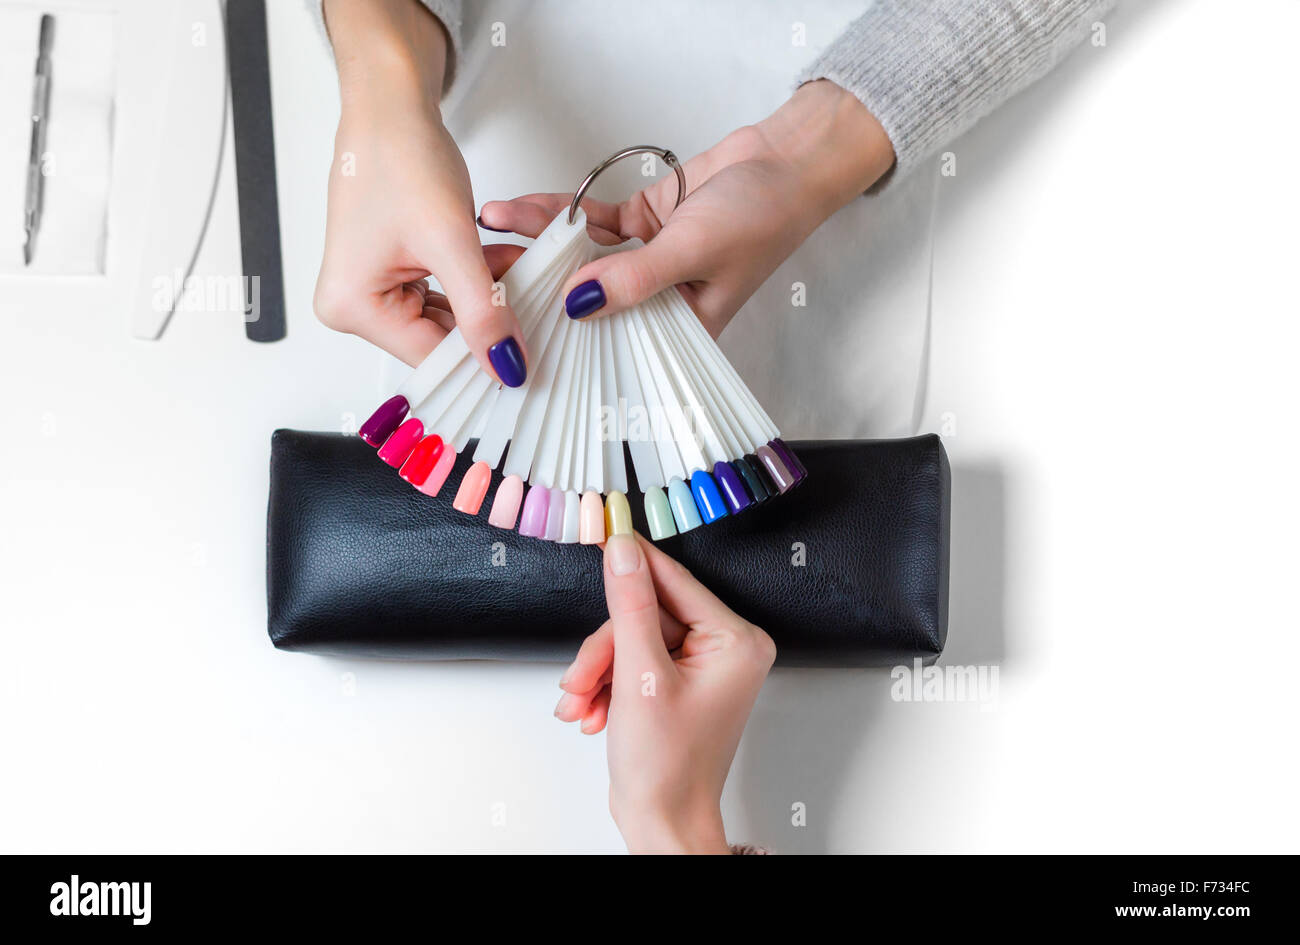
{"x": 399, "y": 445}
{"x": 658, "y": 515}
{"x": 618, "y": 515}
{"x": 707, "y": 496}
{"x": 423, "y": 458}
{"x": 685, "y": 513}
{"x": 555, "y": 516}
{"x": 508, "y": 361}
{"x": 441, "y": 470}
{"x": 479, "y": 220}
{"x": 505, "y": 506}
{"x": 592, "y": 530}
{"x": 748, "y": 467}
{"x": 568, "y": 674}
{"x": 563, "y": 706}
{"x": 781, "y": 475}
{"x": 584, "y": 299}
{"x": 733, "y": 490}
{"x": 473, "y": 489}
{"x": 622, "y": 552}
{"x": 384, "y": 421}
{"x": 536, "y": 505}
{"x": 792, "y": 462}
{"x": 572, "y": 519}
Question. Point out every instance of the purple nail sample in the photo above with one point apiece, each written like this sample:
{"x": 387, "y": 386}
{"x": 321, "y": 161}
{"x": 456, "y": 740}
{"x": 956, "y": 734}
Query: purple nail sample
{"x": 776, "y": 468}
{"x": 532, "y": 524}
{"x": 384, "y": 421}
{"x": 791, "y": 461}
{"x": 733, "y": 490}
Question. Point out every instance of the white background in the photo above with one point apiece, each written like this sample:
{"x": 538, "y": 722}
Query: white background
{"x": 1114, "y": 321}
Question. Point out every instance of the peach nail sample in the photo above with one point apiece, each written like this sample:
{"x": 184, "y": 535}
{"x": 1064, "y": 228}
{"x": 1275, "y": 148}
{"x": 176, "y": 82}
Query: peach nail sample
{"x": 505, "y": 506}
{"x": 591, "y": 519}
{"x": 473, "y": 489}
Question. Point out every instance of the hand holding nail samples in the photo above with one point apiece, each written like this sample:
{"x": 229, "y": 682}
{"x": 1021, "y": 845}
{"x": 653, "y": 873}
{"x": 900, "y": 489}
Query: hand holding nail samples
{"x": 400, "y": 204}
{"x": 674, "y": 673}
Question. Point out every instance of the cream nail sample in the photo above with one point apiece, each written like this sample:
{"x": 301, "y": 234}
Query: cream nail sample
{"x": 591, "y": 519}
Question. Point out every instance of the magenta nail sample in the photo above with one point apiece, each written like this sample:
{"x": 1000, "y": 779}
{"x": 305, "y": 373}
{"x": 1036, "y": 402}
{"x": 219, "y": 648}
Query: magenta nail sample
{"x": 555, "y": 516}
{"x": 537, "y": 504}
{"x": 384, "y": 421}
{"x": 400, "y": 444}
{"x": 776, "y": 468}
{"x": 797, "y": 468}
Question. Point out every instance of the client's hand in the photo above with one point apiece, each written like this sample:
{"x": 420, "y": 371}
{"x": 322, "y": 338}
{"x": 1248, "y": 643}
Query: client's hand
{"x": 753, "y": 198}
{"x": 675, "y": 673}
{"x": 400, "y": 204}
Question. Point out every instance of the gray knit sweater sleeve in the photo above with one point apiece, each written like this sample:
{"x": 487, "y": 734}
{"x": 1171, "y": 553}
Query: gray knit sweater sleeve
{"x": 929, "y": 70}
{"x": 448, "y": 11}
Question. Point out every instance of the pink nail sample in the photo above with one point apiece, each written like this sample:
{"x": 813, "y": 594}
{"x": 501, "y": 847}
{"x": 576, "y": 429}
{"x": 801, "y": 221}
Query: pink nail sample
{"x": 400, "y": 444}
{"x": 505, "y": 506}
{"x": 536, "y": 504}
{"x": 473, "y": 489}
{"x": 441, "y": 470}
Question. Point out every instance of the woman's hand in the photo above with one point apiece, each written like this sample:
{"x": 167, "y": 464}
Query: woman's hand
{"x": 753, "y": 198}
{"x": 400, "y": 204}
{"x": 675, "y": 673}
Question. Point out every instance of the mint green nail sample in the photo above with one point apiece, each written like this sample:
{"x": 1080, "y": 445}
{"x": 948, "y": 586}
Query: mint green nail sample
{"x": 658, "y": 515}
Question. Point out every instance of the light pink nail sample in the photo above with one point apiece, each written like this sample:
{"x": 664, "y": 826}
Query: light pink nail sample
{"x": 505, "y": 505}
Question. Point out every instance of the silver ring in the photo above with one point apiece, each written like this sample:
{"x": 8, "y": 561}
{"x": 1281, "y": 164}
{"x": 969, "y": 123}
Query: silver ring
{"x": 663, "y": 154}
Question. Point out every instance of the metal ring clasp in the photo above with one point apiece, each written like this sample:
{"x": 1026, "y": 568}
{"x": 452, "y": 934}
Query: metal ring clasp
{"x": 663, "y": 154}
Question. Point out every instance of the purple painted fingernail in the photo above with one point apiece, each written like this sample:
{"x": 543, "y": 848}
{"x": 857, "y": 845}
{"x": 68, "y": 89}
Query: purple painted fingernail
{"x": 532, "y": 524}
{"x": 584, "y": 299}
{"x": 508, "y": 361}
{"x": 479, "y": 221}
{"x": 384, "y": 421}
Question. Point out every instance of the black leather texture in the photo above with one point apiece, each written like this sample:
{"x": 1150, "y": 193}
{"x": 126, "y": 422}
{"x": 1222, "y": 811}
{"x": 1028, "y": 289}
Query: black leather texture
{"x": 848, "y": 569}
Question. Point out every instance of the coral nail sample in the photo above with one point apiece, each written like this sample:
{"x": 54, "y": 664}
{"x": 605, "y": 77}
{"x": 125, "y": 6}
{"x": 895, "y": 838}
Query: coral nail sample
{"x": 555, "y": 516}
{"x": 685, "y": 512}
{"x": 384, "y": 421}
{"x": 505, "y": 505}
{"x": 591, "y": 530}
{"x": 658, "y": 515}
{"x": 441, "y": 470}
{"x": 707, "y": 497}
{"x": 473, "y": 489}
{"x": 733, "y": 490}
{"x": 572, "y": 519}
{"x": 618, "y": 515}
{"x": 536, "y": 504}
{"x": 400, "y": 444}
{"x": 420, "y": 463}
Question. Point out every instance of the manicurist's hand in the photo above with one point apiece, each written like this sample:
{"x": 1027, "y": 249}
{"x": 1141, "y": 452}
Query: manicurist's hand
{"x": 674, "y": 673}
{"x": 753, "y": 198}
{"x": 400, "y": 204}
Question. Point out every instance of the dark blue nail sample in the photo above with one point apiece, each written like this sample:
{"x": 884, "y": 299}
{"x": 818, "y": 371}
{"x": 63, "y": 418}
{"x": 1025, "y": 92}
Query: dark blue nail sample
{"x": 584, "y": 299}
{"x": 752, "y": 482}
{"x": 508, "y": 361}
{"x": 707, "y": 497}
{"x": 733, "y": 490}
{"x": 479, "y": 221}
{"x": 763, "y": 475}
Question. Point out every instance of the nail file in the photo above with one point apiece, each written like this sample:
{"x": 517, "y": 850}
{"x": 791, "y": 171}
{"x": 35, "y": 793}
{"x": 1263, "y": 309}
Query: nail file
{"x": 650, "y": 377}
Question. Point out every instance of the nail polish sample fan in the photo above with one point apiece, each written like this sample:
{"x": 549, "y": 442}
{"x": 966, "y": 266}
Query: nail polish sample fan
{"x": 701, "y": 445}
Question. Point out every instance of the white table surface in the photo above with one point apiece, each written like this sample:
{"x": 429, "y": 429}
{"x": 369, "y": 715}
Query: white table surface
{"x": 1113, "y": 358}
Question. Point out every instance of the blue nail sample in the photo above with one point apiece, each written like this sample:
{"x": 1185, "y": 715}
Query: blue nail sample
{"x": 584, "y": 299}
{"x": 684, "y": 510}
{"x": 508, "y": 361}
{"x": 707, "y": 496}
{"x": 733, "y": 490}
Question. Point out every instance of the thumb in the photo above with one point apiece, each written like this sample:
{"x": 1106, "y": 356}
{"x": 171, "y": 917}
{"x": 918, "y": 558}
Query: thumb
{"x": 620, "y": 280}
{"x": 485, "y": 319}
{"x": 634, "y": 614}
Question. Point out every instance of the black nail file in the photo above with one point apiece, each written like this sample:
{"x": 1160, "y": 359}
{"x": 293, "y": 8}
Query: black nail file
{"x": 259, "y": 207}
